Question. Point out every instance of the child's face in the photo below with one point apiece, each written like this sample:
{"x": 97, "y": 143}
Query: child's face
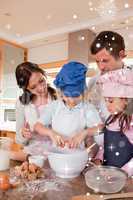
{"x": 72, "y": 101}
{"x": 115, "y": 105}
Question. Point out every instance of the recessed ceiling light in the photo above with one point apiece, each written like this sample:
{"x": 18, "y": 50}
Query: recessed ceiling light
{"x": 49, "y": 16}
{"x": 75, "y": 16}
{"x": 8, "y": 26}
{"x": 93, "y": 27}
{"x": 81, "y": 38}
{"x": 90, "y": 3}
{"x": 110, "y": 11}
{"x": 127, "y": 21}
{"x": 126, "y": 5}
{"x": 127, "y": 27}
{"x": 91, "y": 9}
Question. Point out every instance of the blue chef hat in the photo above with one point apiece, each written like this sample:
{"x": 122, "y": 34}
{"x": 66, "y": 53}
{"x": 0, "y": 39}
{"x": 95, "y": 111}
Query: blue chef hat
{"x": 72, "y": 79}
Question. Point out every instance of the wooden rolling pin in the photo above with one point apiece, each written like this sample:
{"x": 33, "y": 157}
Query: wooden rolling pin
{"x": 103, "y": 197}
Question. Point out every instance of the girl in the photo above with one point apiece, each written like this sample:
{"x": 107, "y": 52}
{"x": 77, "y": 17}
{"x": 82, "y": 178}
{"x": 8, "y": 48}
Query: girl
{"x": 69, "y": 116}
{"x": 117, "y": 88}
{"x": 36, "y": 95}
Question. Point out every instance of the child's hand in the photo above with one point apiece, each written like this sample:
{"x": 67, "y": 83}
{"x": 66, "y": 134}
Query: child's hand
{"x": 56, "y": 138}
{"x": 76, "y": 140}
{"x": 97, "y": 162}
{"x": 26, "y": 132}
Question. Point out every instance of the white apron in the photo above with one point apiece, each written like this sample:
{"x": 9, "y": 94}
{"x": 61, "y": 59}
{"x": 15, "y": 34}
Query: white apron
{"x": 68, "y": 122}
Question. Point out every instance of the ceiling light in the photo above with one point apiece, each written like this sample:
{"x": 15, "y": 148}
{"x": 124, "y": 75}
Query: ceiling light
{"x": 90, "y": 3}
{"x": 81, "y": 38}
{"x": 127, "y": 21}
{"x": 8, "y": 26}
{"x": 126, "y": 5}
{"x": 49, "y": 17}
{"x": 110, "y": 11}
{"x": 75, "y": 16}
{"x": 91, "y": 9}
{"x": 93, "y": 27}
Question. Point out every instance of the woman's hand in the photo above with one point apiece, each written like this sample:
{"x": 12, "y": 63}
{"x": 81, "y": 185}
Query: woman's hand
{"x": 76, "y": 140}
{"x": 26, "y": 132}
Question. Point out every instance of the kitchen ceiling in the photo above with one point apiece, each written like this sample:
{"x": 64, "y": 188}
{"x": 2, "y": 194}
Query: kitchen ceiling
{"x": 38, "y": 22}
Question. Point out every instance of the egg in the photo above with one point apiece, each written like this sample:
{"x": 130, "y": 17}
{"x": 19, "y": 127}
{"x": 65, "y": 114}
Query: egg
{"x": 4, "y": 182}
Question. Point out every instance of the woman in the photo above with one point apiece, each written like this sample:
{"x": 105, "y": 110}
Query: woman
{"x": 32, "y": 80}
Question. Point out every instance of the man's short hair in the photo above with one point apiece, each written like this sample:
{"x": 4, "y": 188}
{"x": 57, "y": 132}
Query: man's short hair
{"x": 111, "y": 41}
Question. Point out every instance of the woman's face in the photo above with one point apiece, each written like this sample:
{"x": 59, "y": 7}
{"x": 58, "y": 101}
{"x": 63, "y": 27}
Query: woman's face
{"x": 72, "y": 101}
{"x": 37, "y": 84}
{"x": 115, "y": 105}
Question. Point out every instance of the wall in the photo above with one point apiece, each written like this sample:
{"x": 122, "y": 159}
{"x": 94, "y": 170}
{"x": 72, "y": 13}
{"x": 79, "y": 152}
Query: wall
{"x": 12, "y": 57}
{"x": 49, "y": 53}
{"x": 79, "y": 45}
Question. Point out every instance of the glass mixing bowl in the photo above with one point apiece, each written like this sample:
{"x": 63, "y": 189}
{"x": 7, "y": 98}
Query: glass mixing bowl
{"x": 105, "y": 179}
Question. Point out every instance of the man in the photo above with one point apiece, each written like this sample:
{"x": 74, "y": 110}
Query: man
{"x": 108, "y": 50}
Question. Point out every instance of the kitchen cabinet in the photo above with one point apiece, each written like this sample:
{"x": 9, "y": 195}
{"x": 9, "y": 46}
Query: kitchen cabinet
{"x": 53, "y": 67}
{"x": 10, "y": 56}
{"x": 11, "y": 134}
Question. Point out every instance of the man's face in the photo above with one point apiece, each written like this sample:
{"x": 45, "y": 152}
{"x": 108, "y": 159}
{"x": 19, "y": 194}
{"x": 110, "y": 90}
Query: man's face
{"x": 106, "y": 62}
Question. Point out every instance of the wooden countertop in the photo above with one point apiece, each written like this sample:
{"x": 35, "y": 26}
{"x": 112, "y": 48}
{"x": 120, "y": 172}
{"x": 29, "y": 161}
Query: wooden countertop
{"x": 65, "y": 189}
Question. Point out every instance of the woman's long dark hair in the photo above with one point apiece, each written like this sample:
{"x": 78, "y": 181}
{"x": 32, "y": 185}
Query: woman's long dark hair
{"x": 23, "y": 73}
{"x": 124, "y": 117}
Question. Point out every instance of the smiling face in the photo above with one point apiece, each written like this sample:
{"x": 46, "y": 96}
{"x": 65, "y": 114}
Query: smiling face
{"x": 106, "y": 62}
{"x": 116, "y": 105}
{"x": 37, "y": 84}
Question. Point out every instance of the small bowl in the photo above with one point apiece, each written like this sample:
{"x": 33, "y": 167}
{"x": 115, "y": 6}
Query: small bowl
{"x": 37, "y": 160}
{"x": 105, "y": 179}
{"x": 67, "y": 163}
